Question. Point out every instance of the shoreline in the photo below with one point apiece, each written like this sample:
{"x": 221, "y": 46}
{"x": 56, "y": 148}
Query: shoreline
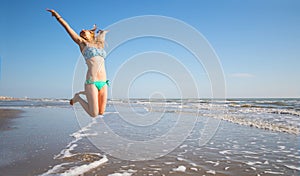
{"x": 50, "y": 140}
{"x": 6, "y": 117}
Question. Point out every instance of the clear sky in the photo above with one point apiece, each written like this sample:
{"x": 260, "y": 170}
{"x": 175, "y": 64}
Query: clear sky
{"x": 257, "y": 42}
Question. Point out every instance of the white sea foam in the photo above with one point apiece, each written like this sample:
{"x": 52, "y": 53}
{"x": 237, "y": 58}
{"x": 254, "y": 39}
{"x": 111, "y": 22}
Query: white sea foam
{"x": 77, "y": 136}
{"x": 169, "y": 163}
{"x": 78, "y": 170}
{"x": 71, "y": 146}
{"x": 56, "y": 169}
{"x": 194, "y": 169}
{"x": 271, "y": 115}
{"x": 213, "y": 162}
{"x": 157, "y": 169}
{"x": 183, "y": 146}
{"x": 193, "y": 164}
{"x": 60, "y": 170}
{"x": 225, "y": 152}
{"x": 292, "y": 167}
{"x": 81, "y": 135}
{"x": 180, "y": 159}
{"x": 250, "y": 163}
{"x": 125, "y": 173}
{"x": 211, "y": 172}
{"x": 261, "y": 124}
{"x": 293, "y": 156}
{"x": 275, "y": 173}
{"x": 253, "y": 157}
{"x": 249, "y": 152}
{"x": 120, "y": 174}
{"x": 67, "y": 152}
{"x": 180, "y": 169}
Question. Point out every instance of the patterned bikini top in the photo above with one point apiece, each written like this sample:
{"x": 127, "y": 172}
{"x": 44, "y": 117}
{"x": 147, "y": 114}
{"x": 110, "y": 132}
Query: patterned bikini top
{"x": 90, "y": 52}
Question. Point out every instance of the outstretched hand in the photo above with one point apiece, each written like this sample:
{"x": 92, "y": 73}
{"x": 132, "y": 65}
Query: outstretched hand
{"x": 53, "y": 12}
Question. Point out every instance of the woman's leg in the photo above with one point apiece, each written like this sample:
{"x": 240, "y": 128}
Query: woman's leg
{"x": 102, "y": 99}
{"x": 91, "y": 106}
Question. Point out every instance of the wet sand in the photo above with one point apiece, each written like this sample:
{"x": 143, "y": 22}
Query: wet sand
{"x": 43, "y": 133}
{"x": 7, "y": 116}
{"x": 234, "y": 150}
{"x": 29, "y": 147}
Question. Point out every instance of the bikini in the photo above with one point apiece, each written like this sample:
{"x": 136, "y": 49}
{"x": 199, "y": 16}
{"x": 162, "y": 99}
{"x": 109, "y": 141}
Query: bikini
{"x": 88, "y": 53}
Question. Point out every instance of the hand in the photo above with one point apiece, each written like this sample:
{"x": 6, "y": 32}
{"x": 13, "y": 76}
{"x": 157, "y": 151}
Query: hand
{"x": 53, "y": 12}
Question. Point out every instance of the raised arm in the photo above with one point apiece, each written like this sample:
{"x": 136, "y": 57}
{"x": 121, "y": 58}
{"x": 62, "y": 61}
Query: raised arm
{"x": 76, "y": 38}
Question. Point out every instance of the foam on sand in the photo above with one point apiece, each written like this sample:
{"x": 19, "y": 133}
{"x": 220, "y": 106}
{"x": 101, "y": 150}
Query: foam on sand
{"x": 67, "y": 152}
{"x": 55, "y": 169}
{"x": 126, "y": 173}
{"x": 59, "y": 170}
{"x": 292, "y": 167}
{"x": 274, "y": 173}
{"x": 180, "y": 169}
{"x": 84, "y": 168}
{"x": 120, "y": 174}
{"x": 81, "y": 166}
{"x": 211, "y": 172}
{"x": 250, "y": 163}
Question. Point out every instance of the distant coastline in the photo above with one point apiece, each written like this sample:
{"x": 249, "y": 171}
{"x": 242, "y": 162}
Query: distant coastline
{"x": 143, "y": 98}
{"x": 8, "y": 98}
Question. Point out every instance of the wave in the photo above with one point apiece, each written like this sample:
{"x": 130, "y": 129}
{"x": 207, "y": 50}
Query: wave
{"x": 262, "y": 124}
{"x": 285, "y": 112}
{"x": 275, "y": 119}
{"x": 282, "y": 121}
{"x": 266, "y": 124}
{"x": 280, "y": 115}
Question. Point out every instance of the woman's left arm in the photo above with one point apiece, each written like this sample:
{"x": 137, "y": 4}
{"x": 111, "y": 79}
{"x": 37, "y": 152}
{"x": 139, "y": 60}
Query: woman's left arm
{"x": 76, "y": 38}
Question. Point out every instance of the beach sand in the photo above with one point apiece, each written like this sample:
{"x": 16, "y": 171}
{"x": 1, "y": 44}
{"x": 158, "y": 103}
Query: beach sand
{"x": 28, "y": 148}
{"x": 7, "y": 116}
{"x": 45, "y": 141}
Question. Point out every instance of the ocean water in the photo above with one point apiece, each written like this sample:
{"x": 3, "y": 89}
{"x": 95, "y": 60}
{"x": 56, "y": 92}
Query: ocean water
{"x": 246, "y": 137}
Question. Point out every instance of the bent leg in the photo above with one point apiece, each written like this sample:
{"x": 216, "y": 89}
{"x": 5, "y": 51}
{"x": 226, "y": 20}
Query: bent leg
{"x": 91, "y": 106}
{"x": 102, "y": 99}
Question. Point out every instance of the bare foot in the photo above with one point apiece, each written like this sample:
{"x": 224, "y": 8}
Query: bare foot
{"x": 74, "y": 99}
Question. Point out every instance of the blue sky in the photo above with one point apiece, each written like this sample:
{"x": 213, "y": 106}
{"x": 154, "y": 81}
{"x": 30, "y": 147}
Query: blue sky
{"x": 257, "y": 42}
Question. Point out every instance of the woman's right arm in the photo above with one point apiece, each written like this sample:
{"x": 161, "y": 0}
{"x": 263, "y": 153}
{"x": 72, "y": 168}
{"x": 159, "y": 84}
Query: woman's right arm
{"x": 76, "y": 38}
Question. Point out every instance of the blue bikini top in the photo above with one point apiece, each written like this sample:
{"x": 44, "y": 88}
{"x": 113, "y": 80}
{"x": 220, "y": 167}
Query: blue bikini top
{"x": 90, "y": 52}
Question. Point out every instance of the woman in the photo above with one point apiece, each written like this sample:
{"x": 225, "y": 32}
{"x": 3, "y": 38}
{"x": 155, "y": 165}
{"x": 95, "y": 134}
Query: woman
{"x": 91, "y": 45}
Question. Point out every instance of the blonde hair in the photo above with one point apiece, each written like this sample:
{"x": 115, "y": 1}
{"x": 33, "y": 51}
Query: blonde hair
{"x": 99, "y": 38}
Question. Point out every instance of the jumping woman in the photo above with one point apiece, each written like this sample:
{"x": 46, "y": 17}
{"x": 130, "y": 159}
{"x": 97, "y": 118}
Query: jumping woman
{"x": 91, "y": 44}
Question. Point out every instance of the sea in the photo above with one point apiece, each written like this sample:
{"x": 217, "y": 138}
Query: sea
{"x": 245, "y": 136}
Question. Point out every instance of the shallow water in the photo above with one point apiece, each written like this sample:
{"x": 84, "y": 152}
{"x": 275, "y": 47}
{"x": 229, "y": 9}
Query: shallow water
{"x": 51, "y": 140}
{"x": 34, "y": 139}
